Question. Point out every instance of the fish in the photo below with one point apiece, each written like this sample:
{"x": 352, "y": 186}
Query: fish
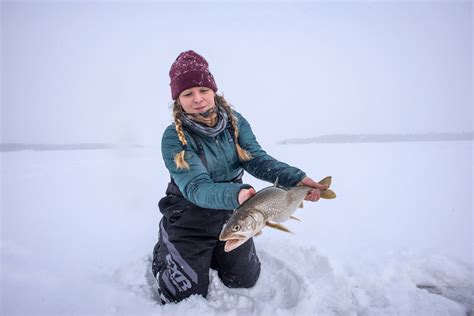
{"x": 270, "y": 206}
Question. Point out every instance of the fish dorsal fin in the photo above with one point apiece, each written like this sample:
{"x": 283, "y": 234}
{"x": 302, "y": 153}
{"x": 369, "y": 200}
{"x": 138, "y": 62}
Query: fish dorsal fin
{"x": 301, "y": 205}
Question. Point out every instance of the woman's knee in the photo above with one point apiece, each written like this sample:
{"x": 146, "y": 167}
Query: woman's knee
{"x": 247, "y": 280}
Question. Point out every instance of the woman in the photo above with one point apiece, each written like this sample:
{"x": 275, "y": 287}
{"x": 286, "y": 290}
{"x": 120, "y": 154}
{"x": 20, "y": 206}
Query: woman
{"x": 206, "y": 151}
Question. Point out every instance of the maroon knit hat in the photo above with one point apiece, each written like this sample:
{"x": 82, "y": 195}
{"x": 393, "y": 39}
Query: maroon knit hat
{"x": 190, "y": 70}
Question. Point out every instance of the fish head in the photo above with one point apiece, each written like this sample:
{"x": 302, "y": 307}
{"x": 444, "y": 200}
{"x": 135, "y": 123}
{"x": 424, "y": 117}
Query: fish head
{"x": 241, "y": 227}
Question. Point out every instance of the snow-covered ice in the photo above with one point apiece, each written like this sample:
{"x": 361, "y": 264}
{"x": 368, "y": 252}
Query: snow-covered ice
{"x": 78, "y": 228}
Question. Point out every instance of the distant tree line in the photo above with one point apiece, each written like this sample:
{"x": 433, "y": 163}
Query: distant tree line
{"x": 381, "y": 138}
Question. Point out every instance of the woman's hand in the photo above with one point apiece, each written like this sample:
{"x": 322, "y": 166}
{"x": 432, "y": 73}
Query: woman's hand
{"x": 245, "y": 194}
{"x": 314, "y": 194}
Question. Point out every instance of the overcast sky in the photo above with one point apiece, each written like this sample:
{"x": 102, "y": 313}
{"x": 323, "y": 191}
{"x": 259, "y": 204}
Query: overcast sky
{"x": 98, "y": 71}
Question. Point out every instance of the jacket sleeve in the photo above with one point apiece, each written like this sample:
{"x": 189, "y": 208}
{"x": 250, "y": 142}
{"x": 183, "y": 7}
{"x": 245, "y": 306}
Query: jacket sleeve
{"x": 195, "y": 183}
{"x": 262, "y": 165}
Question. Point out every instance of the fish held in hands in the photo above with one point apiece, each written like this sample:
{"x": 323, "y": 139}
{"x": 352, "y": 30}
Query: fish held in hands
{"x": 270, "y": 206}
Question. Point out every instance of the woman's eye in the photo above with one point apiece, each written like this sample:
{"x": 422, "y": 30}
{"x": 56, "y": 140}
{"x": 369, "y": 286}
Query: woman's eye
{"x": 204, "y": 90}
{"x": 188, "y": 94}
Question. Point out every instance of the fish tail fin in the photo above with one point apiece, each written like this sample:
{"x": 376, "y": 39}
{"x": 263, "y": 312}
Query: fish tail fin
{"x": 328, "y": 194}
{"x": 326, "y": 181}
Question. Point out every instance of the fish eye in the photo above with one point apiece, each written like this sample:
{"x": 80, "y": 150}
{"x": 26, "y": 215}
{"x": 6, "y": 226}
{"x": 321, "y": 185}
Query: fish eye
{"x": 236, "y": 228}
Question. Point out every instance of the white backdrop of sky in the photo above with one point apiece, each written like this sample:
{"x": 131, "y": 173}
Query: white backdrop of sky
{"x": 83, "y": 72}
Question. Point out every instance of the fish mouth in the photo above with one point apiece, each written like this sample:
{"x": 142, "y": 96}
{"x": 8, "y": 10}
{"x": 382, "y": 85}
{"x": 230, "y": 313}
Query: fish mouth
{"x": 233, "y": 236}
{"x": 233, "y": 241}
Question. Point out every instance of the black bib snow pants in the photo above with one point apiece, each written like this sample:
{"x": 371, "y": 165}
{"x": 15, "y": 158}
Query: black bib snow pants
{"x": 189, "y": 246}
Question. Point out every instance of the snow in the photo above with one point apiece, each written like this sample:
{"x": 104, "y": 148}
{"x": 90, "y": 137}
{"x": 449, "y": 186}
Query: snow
{"x": 78, "y": 228}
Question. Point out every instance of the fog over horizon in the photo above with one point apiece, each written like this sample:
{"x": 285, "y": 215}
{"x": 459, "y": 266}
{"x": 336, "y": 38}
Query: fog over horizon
{"x": 322, "y": 139}
{"x": 97, "y": 72}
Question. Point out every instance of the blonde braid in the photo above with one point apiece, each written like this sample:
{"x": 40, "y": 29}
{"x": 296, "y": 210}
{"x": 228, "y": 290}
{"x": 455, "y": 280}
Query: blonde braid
{"x": 243, "y": 154}
{"x": 179, "y": 157}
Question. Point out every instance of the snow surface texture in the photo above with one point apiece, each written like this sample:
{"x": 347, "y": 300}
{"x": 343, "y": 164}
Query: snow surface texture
{"x": 78, "y": 228}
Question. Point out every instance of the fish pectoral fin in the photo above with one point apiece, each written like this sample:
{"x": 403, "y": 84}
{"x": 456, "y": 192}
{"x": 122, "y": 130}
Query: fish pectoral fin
{"x": 301, "y": 205}
{"x": 326, "y": 181}
{"x": 295, "y": 218}
{"x": 328, "y": 194}
{"x": 279, "y": 227}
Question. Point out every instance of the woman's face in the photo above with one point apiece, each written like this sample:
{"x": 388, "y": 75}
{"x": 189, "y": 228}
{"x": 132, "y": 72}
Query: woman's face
{"x": 197, "y": 99}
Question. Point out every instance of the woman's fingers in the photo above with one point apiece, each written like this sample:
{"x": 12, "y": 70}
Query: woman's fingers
{"x": 321, "y": 186}
{"x": 245, "y": 194}
{"x": 311, "y": 183}
{"x": 252, "y": 192}
{"x": 313, "y": 195}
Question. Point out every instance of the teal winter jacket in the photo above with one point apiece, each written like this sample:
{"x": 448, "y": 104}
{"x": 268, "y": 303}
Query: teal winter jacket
{"x": 210, "y": 187}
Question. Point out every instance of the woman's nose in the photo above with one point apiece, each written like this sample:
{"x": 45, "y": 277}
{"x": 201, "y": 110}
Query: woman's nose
{"x": 197, "y": 97}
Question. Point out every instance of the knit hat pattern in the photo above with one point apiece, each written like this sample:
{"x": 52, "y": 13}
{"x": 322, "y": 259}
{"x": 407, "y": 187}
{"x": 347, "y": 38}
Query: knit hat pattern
{"x": 190, "y": 70}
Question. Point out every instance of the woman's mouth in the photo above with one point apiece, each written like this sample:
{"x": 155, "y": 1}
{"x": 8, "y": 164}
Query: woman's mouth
{"x": 201, "y": 109}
